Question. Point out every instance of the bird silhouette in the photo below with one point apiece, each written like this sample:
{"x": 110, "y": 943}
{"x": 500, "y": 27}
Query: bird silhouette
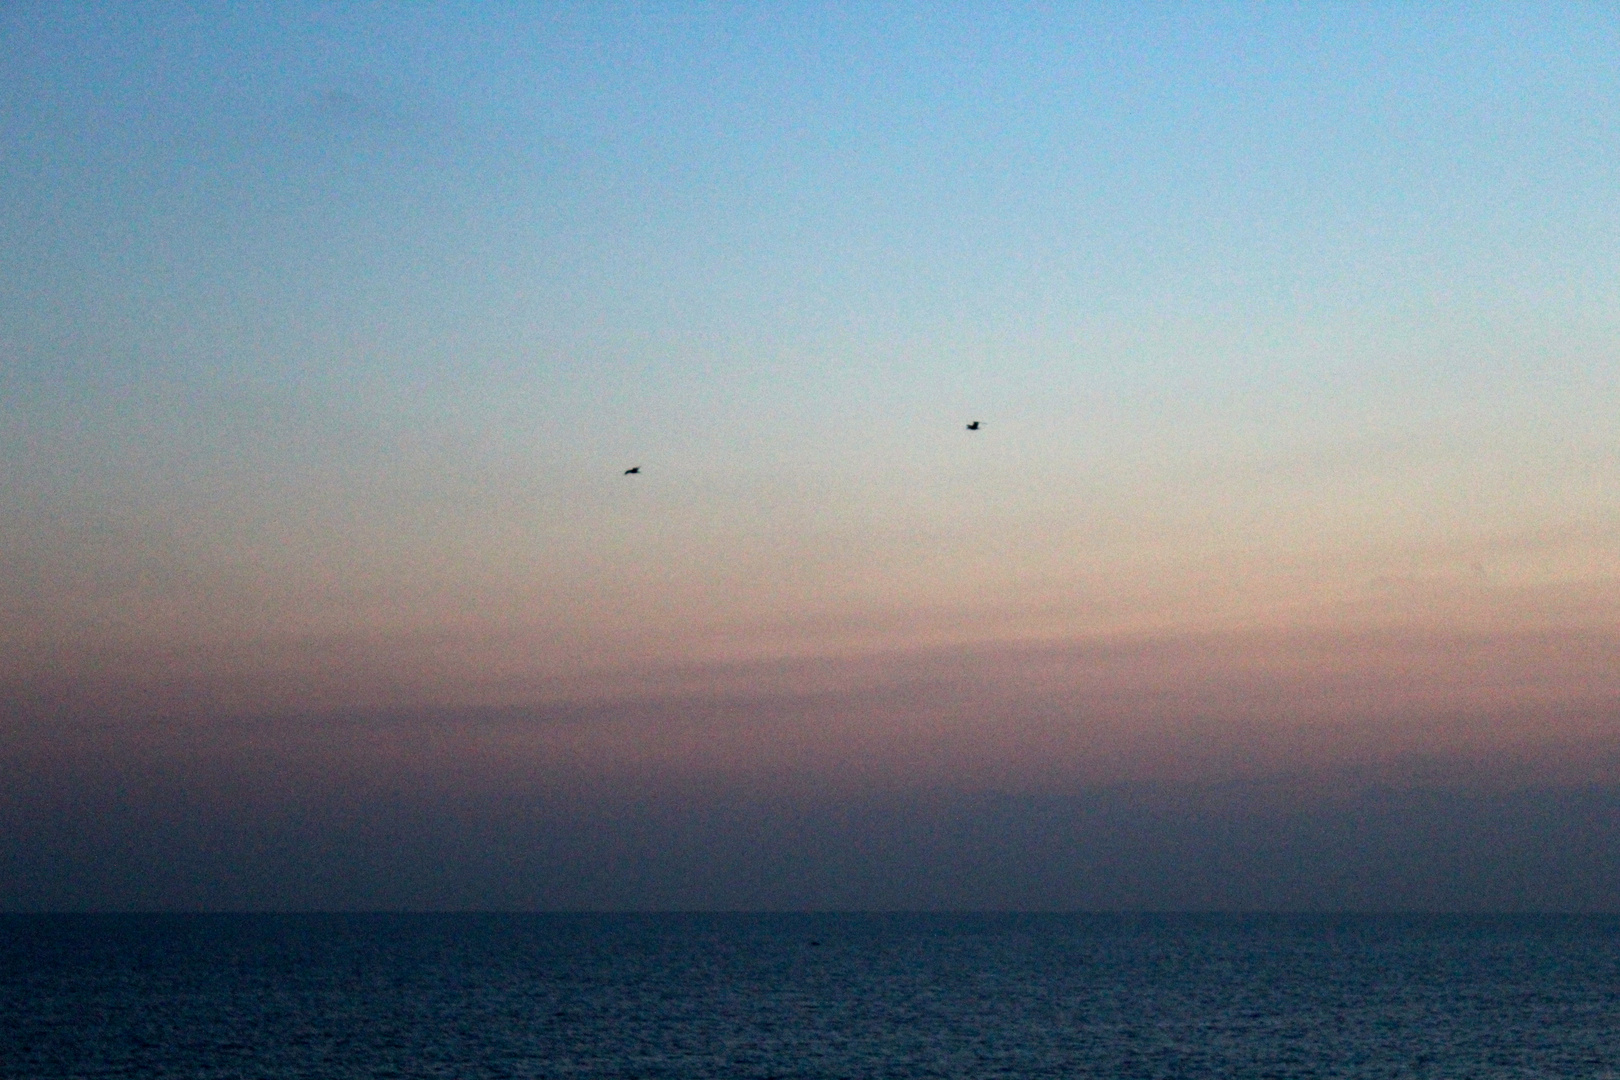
{"x": 973, "y": 426}
{"x": 633, "y": 470}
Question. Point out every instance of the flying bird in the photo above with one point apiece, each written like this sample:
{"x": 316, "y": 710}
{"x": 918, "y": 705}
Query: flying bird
{"x": 633, "y": 470}
{"x": 973, "y": 426}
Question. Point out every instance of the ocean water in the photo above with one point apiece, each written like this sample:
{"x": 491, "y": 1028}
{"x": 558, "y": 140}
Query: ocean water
{"x": 204, "y": 996}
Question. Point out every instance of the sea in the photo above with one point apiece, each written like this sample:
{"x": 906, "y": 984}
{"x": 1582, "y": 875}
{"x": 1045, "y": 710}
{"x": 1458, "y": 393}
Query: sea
{"x": 808, "y": 995}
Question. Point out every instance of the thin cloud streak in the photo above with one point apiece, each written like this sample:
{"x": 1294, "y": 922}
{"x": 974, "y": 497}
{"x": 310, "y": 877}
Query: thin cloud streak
{"x": 1190, "y": 707}
{"x": 1280, "y": 770}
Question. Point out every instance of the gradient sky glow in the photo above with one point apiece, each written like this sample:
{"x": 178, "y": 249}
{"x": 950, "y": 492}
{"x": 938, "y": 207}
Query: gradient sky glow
{"x": 326, "y": 334}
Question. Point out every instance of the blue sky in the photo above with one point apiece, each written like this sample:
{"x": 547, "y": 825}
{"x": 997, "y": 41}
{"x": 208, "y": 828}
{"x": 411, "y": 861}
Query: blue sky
{"x": 405, "y": 287}
{"x": 327, "y": 332}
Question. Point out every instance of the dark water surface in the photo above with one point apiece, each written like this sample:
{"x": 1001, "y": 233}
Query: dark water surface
{"x": 808, "y": 996}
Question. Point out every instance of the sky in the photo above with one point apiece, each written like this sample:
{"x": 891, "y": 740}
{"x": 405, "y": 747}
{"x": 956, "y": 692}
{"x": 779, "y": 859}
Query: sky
{"x": 1283, "y": 571}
